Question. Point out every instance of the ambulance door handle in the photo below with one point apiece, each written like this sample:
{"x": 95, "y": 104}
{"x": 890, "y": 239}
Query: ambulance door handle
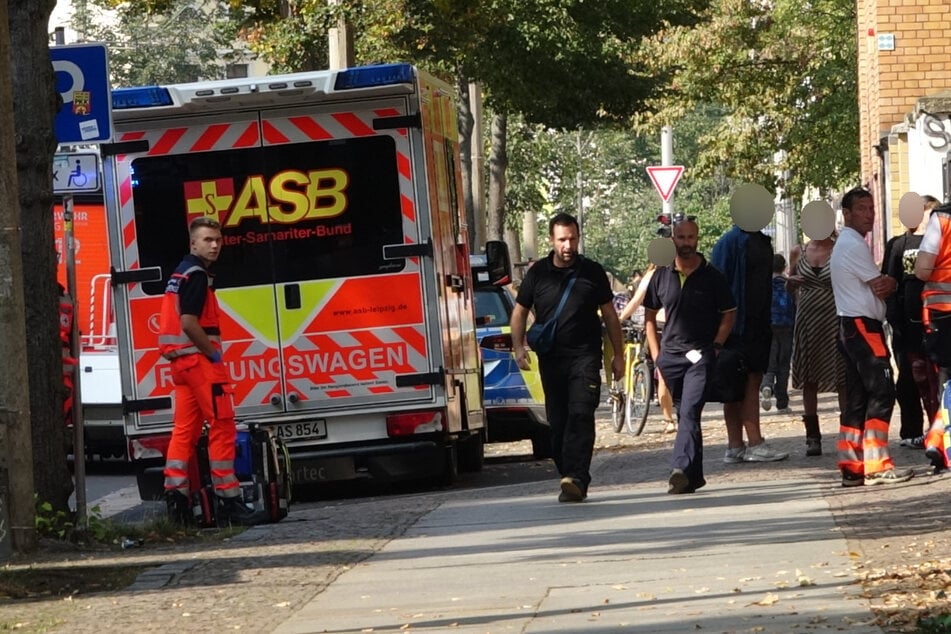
{"x": 292, "y": 296}
{"x": 456, "y": 283}
{"x": 275, "y": 400}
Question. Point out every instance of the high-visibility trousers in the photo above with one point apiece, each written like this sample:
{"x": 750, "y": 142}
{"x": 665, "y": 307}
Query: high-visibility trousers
{"x": 203, "y": 394}
{"x": 870, "y": 397}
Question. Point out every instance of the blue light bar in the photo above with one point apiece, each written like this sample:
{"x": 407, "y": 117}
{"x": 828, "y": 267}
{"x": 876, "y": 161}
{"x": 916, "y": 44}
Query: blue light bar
{"x": 140, "y": 97}
{"x": 367, "y": 76}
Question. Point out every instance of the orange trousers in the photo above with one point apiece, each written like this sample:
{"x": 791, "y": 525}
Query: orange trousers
{"x": 203, "y": 394}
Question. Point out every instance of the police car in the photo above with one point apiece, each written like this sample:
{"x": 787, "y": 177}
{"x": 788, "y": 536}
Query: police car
{"x": 514, "y": 401}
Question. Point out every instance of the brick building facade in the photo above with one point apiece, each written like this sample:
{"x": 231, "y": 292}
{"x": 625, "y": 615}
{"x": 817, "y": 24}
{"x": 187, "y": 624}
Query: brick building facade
{"x": 904, "y": 67}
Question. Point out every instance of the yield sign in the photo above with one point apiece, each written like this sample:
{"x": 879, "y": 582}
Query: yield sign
{"x": 665, "y": 178}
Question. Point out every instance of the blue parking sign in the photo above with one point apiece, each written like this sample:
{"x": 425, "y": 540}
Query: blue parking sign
{"x": 82, "y": 80}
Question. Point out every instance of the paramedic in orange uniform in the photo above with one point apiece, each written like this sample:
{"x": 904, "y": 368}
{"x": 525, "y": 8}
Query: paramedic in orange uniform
{"x": 190, "y": 338}
{"x": 933, "y": 267}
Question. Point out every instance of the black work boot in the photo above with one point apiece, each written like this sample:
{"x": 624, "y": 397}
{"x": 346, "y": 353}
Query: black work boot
{"x": 178, "y": 508}
{"x": 233, "y": 511}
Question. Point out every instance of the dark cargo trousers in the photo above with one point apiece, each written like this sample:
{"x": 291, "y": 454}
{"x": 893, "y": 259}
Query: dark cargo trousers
{"x": 687, "y": 382}
{"x": 572, "y": 385}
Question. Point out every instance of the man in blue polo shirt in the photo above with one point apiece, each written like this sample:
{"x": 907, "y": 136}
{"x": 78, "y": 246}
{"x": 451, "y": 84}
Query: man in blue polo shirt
{"x": 700, "y": 312}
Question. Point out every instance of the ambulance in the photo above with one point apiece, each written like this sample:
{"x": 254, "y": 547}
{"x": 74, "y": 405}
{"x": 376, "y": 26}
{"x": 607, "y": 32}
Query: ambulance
{"x": 101, "y": 394}
{"x": 348, "y": 315}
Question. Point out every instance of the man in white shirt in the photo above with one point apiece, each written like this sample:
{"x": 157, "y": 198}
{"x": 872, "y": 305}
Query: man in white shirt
{"x": 860, "y": 288}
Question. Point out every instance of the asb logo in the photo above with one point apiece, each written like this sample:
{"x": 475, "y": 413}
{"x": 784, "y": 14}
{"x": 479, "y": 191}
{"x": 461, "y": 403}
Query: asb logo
{"x": 287, "y": 197}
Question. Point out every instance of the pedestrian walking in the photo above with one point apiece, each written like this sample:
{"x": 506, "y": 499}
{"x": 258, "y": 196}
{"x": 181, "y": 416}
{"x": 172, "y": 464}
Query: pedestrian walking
{"x": 190, "y": 339}
{"x": 570, "y": 288}
{"x": 700, "y": 311}
{"x": 782, "y": 317}
{"x": 859, "y": 289}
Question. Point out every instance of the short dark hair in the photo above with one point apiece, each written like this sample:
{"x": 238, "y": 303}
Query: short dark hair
{"x": 779, "y": 263}
{"x": 562, "y": 219}
{"x": 854, "y": 194}
{"x": 203, "y": 221}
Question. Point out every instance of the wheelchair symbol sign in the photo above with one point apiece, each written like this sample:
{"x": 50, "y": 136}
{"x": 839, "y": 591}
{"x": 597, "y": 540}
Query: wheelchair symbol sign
{"x": 82, "y": 81}
{"x": 75, "y": 172}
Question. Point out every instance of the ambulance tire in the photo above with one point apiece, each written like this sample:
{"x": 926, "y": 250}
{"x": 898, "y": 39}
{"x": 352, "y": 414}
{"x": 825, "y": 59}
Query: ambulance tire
{"x": 472, "y": 452}
{"x": 451, "y": 466}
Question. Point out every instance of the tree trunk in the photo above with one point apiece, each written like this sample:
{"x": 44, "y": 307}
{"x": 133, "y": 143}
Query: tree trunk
{"x": 16, "y": 494}
{"x": 464, "y": 123}
{"x": 498, "y": 162}
{"x": 35, "y": 104}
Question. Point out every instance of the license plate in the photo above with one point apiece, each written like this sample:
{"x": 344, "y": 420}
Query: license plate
{"x": 309, "y": 429}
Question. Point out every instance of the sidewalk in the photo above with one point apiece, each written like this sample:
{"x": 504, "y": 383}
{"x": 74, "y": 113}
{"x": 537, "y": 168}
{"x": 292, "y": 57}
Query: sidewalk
{"x": 757, "y": 550}
{"x": 739, "y": 557}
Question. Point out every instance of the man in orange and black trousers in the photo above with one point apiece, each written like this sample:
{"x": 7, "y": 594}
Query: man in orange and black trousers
{"x": 933, "y": 266}
{"x": 860, "y": 288}
{"x": 190, "y": 338}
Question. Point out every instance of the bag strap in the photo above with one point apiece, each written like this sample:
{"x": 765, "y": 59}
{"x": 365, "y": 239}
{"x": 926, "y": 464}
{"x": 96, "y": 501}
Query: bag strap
{"x": 564, "y": 295}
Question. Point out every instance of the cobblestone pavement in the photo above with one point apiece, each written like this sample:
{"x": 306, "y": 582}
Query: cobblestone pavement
{"x": 253, "y": 581}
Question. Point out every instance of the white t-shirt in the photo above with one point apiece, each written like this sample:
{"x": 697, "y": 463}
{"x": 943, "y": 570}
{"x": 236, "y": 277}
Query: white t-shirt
{"x": 931, "y": 240}
{"x": 852, "y": 268}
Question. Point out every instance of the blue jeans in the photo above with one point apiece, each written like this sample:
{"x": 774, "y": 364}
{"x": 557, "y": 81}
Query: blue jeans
{"x": 776, "y": 376}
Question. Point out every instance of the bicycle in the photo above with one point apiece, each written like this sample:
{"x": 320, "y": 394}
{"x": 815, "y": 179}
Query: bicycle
{"x": 632, "y": 395}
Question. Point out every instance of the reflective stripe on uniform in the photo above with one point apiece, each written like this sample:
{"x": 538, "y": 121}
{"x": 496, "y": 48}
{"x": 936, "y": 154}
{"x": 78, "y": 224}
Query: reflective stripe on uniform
{"x": 850, "y": 449}
{"x": 176, "y": 476}
{"x": 875, "y": 445}
{"x": 223, "y": 477}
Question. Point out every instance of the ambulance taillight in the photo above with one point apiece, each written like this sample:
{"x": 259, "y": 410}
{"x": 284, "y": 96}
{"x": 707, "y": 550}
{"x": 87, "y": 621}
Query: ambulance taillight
{"x": 410, "y": 423}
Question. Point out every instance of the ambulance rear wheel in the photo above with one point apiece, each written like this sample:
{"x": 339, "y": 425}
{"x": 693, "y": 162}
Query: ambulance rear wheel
{"x": 472, "y": 452}
{"x": 451, "y": 467}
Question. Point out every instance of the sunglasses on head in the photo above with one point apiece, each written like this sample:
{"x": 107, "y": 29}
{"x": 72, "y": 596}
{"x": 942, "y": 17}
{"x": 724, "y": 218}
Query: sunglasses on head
{"x": 669, "y": 221}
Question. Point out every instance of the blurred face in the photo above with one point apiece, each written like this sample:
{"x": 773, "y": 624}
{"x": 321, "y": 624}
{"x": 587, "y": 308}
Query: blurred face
{"x": 564, "y": 241}
{"x": 861, "y": 216}
{"x": 685, "y": 235}
{"x": 206, "y": 244}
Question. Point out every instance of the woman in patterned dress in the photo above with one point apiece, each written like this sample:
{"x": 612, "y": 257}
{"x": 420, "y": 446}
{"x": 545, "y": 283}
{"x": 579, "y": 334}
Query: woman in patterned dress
{"x": 817, "y": 365}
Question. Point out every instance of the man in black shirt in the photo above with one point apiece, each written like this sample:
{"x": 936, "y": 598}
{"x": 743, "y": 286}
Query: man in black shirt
{"x": 917, "y": 382}
{"x": 571, "y": 371}
{"x": 700, "y": 312}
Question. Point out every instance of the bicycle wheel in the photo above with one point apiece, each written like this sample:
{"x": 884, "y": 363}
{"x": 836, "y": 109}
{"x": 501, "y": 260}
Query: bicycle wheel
{"x": 637, "y": 403}
{"x": 617, "y": 406}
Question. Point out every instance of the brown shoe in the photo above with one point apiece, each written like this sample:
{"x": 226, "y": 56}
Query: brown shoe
{"x": 571, "y": 490}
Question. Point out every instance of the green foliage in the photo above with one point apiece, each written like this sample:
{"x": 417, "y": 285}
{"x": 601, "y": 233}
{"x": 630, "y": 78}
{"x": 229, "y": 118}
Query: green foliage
{"x": 166, "y": 41}
{"x": 562, "y": 63}
{"x": 620, "y": 204}
{"x": 935, "y": 624}
{"x": 61, "y": 525}
{"x": 784, "y": 75}
{"x": 52, "y": 523}
{"x": 298, "y": 41}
